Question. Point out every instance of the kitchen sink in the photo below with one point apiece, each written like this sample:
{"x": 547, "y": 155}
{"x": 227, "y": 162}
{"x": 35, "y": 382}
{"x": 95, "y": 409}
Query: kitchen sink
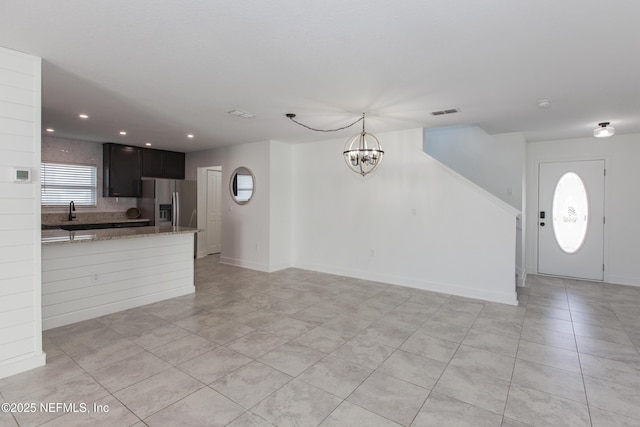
{"x": 74, "y": 227}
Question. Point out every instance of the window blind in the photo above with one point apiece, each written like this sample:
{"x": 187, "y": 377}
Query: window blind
{"x": 63, "y": 183}
{"x": 245, "y": 187}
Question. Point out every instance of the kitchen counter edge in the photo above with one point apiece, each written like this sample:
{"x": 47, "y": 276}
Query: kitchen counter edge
{"x": 57, "y": 237}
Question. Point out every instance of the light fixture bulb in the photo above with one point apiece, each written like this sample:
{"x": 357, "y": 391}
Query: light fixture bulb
{"x": 83, "y": 116}
{"x": 604, "y": 130}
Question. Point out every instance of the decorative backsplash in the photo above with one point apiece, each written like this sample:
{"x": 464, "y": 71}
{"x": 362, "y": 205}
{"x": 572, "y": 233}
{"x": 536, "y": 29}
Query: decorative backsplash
{"x": 84, "y": 217}
{"x": 87, "y": 153}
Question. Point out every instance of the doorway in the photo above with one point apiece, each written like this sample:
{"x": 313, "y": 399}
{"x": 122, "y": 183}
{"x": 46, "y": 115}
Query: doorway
{"x": 214, "y": 212}
{"x": 571, "y": 219}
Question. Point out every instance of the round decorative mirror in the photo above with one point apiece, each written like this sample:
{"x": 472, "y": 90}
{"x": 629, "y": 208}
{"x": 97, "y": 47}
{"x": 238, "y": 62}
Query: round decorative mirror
{"x": 242, "y": 185}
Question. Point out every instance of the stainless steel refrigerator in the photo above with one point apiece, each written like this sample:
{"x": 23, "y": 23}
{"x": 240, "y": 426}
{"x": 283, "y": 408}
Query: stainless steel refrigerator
{"x": 169, "y": 202}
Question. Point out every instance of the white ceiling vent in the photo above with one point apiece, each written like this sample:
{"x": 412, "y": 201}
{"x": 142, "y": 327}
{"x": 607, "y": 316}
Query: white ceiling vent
{"x": 447, "y": 111}
{"x": 242, "y": 114}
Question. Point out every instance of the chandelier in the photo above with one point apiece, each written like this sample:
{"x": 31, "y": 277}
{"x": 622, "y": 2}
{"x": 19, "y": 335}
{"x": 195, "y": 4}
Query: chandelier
{"x": 362, "y": 152}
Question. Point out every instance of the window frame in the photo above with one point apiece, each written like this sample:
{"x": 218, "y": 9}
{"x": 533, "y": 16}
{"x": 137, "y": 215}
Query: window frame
{"x": 93, "y": 186}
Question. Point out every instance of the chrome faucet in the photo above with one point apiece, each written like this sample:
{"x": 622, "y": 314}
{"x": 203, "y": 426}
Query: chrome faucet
{"x": 72, "y": 209}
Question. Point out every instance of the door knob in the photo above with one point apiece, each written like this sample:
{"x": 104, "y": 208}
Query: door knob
{"x": 542, "y": 224}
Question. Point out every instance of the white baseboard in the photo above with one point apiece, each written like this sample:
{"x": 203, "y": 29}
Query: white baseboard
{"x": 521, "y": 276}
{"x": 102, "y": 310}
{"x": 622, "y": 280}
{"x": 509, "y": 297}
{"x": 201, "y": 254}
{"x": 21, "y": 364}
{"x": 245, "y": 264}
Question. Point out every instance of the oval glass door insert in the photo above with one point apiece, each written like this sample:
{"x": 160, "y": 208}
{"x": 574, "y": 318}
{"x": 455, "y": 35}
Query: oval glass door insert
{"x": 570, "y": 212}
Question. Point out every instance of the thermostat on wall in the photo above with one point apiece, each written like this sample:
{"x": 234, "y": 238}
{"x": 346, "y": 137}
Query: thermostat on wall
{"x": 21, "y": 175}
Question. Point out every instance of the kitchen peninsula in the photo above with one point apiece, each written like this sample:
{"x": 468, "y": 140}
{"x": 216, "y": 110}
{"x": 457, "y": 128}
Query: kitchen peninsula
{"x": 91, "y": 273}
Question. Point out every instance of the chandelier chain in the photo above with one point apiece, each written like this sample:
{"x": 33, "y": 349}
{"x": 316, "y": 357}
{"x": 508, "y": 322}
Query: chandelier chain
{"x": 292, "y": 118}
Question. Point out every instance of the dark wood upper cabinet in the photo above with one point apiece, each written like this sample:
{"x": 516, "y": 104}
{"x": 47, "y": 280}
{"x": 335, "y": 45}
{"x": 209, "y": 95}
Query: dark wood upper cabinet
{"x": 162, "y": 164}
{"x": 121, "y": 170}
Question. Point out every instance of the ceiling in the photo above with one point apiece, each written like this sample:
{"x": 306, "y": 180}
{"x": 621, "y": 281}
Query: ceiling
{"x": 160, "y": 69}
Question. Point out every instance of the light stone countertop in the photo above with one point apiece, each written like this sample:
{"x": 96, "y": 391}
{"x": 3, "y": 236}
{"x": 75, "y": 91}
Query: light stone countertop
{"x": 54, "y": 237}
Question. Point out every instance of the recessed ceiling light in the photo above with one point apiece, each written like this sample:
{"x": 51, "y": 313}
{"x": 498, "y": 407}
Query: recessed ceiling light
{"x": 189, "y": 135}
{"x": 543, "y": 104}
{"x": 83, "y": 116}
{"x": 123, "y": 132}
{"x": 49, "y": 129}
{"x": 242, "y": 114}
{"x": 148, "y": 144}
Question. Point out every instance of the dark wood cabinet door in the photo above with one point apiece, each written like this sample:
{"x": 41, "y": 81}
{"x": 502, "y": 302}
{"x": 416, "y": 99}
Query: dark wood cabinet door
{"x": 162, "y": 164}
{"x": 173, "y": 165}
{"x": 121, "y": 170}
{"x": 152, "y": 163}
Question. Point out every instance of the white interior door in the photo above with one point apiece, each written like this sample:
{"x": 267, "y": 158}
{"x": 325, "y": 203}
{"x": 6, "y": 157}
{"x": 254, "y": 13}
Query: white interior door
{"x": 571, "y": 219}
{"x": 214, "y": 212}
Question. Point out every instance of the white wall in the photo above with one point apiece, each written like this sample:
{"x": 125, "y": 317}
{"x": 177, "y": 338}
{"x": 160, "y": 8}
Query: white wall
{"x": 622, "y": 204}
{"x": 412, "y": 222}
{"x": 88, "y": 153}
{"x": 20, "y": 252}
{"x": 497, "y": 163}
{"x": 494, "y": 162}
{"x": 245, "y": 228}
{"x": 280, "y": 205}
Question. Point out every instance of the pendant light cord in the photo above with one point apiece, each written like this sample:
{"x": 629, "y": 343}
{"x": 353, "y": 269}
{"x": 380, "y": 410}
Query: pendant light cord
{"x": 292, "y": 117}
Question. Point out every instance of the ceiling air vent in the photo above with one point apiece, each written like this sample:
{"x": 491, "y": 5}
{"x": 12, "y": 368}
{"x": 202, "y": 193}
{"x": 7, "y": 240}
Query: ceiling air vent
{"x": 447, "y": 111}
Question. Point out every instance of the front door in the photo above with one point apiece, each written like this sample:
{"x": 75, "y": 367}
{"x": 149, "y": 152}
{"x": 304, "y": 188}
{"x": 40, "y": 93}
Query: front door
{"x": 571, "y": 219}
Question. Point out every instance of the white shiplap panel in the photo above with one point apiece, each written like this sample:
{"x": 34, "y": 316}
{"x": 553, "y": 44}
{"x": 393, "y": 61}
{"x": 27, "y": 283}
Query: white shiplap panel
{"x": 22, "y": 330}
{"x": 17, "y": 158}
{"x": 15, "y": 237}
{"x": 16, "y": 301}
{"x": 17, "y": 96}
{"x": 20, "y": 95}
{"x": 16, "y": 79}
{"x": 88, "y": 258}
{"x": 116, "y": 291}
{"x": 17, "y": 111}
{"x": 15, "y": 349}
{"x": 16, "y": 317}
{"x": 16, "y": 222}
{"x": 104, "y": 309}
{"x": 10, "y": 270}
{"x": 134, "y": 267}
{"x": 99, "y": 300}
{"x": 19, "y": 62}
{"x": 130, "y": 272}
{"x": 86, "y": 280}
{"x": 16, "y": 191}
{"x": 15, "y": 143}
{"x": 18, "y": 206}
{"x": 115, "y": 245}
{"x": 11, "y": 254}
{"x": 12, "y": 286}
{"x": 16, "y": 127}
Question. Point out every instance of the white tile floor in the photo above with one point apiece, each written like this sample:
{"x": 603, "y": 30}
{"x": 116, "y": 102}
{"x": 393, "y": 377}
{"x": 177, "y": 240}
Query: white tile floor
{"x": 298, "y": 348}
